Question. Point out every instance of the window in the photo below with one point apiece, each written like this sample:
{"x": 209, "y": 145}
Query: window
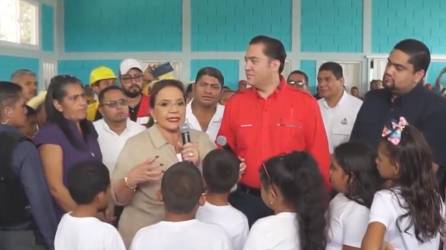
{"x": 19, "y": 21}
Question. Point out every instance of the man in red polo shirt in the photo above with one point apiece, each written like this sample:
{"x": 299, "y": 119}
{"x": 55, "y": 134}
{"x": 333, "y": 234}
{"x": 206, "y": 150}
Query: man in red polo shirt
{"x": 270, "y": 119}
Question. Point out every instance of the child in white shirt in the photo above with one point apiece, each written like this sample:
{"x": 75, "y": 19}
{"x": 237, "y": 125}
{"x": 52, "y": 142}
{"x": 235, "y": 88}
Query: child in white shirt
{"x": 221, "y": 172}
{"x": 89, "y": 185}
{"x": 407, "y": 214}
{"x": 182, "y": 192}
{"x": 292, "y": 186}
{"x": 354, "y": 175}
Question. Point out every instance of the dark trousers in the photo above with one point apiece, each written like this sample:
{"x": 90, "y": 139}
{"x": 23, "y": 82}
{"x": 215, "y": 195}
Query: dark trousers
{"x": 19, "y": 240}
{"x": 249, "y": 202}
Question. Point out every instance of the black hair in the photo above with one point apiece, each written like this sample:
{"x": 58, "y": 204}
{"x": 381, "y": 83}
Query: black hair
{"x": 273, "y": 49}
{"x": 107, "y": 89}
{"x": 157, "y": 87}
{"x": 358, "y": 162}
{"x": 210, "y": 71}
{"x": 57, "y": 91}
{"x": 420, "y": 56}
{"x": 220, "y": 171}
{"x": 181, "y": 187}
{"x": 417, "y": 183}
{"x": 87, "y": 179}
{"x": 10, "y": 93}
{"x": 299, "y": 72}
{"x": 297, "y": 176}
{"x": 333, "y": 67}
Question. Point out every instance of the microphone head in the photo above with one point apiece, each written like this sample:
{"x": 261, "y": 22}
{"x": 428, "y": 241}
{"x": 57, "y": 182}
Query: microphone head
{"x": 221, "y": 141}
{"x": 184, "y": 128}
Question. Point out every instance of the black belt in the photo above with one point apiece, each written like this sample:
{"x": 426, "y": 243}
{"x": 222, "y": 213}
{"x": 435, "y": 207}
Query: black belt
{"x": 249, "y": 190}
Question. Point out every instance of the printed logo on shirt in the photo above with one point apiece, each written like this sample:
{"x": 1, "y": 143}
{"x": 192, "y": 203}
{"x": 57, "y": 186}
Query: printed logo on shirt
{"x": 246, "y": 125}
{"x": 344, "y": 121}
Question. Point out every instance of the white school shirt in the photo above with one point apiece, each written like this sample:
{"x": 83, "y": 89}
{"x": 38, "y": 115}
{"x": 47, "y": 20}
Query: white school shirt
{"x": 348, "y": 223}
{"x": 184, "y": 235}
{"x": 386, "y": 210}
{"x": 339, "y": 120}
{"x": 111, "y": 143}
{"x": 278, "y": 232}
{"x": 227, "y": 217}
{"x": 214, "y": 123}
{"x": 76, "y": 233}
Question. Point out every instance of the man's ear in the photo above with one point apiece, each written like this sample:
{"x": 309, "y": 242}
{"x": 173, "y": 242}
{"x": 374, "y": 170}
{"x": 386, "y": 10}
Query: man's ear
{"x": 202, "y": 199}
{"x": 7, "y": 112}
{"x": 101, "y": 110}
{"x": 275, "y": 64}
{"x": 419, "y": 75}
{"x": 159, "y": 195}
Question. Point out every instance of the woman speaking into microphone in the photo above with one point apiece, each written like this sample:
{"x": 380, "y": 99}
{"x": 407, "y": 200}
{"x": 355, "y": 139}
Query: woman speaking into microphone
{"x": 137, "y": 175}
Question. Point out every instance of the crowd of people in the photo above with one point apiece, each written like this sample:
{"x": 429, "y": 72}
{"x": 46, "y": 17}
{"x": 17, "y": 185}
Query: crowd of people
{"x": 151, "y": 164}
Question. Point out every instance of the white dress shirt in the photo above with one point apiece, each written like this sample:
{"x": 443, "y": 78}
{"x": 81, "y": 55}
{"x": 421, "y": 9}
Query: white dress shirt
{"x": 339, "y": 120}
{"x": 214, "y": 123}
{"x": 111, "y": 143}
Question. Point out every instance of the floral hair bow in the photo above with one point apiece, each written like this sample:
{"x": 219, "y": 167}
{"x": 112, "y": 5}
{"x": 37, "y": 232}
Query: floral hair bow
{"x": 393, "y": 131}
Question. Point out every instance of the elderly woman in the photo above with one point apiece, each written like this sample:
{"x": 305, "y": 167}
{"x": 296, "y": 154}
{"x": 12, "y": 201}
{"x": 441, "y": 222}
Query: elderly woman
{"x": 67, "y": 138}
{"x": 26, "y": 205}
{"x": 136, "y": 178}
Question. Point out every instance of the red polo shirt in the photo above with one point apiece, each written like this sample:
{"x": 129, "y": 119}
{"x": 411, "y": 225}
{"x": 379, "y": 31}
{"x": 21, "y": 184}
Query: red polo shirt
{"x": 258, "y": 129}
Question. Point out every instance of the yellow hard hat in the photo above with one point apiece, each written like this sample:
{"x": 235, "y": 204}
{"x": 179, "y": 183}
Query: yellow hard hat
{"x": 101, "y": 73}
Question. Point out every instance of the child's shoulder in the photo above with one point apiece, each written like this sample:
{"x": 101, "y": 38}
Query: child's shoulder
{"x": 274, "y": 220}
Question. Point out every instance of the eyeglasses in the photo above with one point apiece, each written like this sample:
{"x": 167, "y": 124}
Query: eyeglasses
{"x": 115, "y": 104}
{"x": 297, "y": 83}
{"x": 130, "y": 78}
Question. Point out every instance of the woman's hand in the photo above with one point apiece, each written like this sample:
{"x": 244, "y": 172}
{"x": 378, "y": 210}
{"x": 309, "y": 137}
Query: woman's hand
{"x": 189, "y": 152}
{"x": 147, "y": 170}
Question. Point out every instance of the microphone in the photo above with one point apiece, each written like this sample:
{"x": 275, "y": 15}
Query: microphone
{"x": 185, "y": 134}
{"x": 223, "y": 143}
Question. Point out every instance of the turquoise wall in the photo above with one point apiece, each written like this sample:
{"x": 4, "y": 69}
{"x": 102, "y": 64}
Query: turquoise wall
{"x": 47, "y": 27}
{"x": 331, "y": 25}
{"x": 229, "y": 25}
{"x": 394, "y": 20}
{"x": 113, "y": 25}
{"x": 9, "y": 64}
{"x": 82, "y": 68}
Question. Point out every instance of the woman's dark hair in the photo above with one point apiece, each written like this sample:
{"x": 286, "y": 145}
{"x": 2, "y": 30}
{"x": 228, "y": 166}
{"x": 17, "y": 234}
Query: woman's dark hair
{"x": 57, "y": 91}
{"x": 417, "y": 183}
{"x": 157, "y": 87}
{"x": 10, "y": 93}
{"x": 300, "y": 182}
{"x": 358, "y": 162}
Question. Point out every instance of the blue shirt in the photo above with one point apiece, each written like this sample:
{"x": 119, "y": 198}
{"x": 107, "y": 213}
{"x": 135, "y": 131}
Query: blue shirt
{"x": 27, "y": 166}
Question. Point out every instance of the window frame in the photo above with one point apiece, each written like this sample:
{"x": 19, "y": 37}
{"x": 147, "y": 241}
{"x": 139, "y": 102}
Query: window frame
{"x": 37, "y": 46}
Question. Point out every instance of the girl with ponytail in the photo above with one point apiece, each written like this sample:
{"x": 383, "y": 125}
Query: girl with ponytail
{"x": 293, "y": 188}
